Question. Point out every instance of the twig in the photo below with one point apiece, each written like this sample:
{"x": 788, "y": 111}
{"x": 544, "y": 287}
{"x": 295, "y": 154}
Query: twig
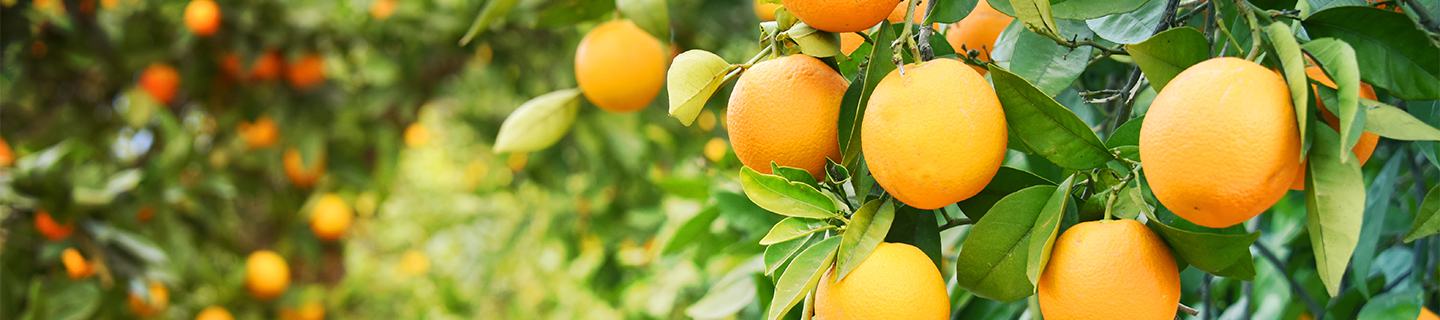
{"x": 1198, "y": 9}
{"x": 1254, "y": 29}
{"x": 927, "y": 53}
{"x": 1295, "y": 287}
{"x": 955, "y": 222}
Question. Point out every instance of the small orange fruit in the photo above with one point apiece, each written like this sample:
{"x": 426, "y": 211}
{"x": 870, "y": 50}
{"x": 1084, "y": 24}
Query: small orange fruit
{"x": 51, "y": 229}
{"x": 260, "y": 134}
{"x": 7, "y": 156}
{"x": 1363, "y": 148}
{"x": 785, "y": 111}
{"x": 765, "y": 10}
{"x": 1220, "y": 143}
{"x": 841, "y": 16}
{"x": 161, "y": 81}
{"x": 75, "y": 264}
{"x": 382, "y": 9}
{"x": 266, "y": 274}
{"x": 1113, "y": 269}
{"x": 155, "y": 302}
{"x": 267, "y": 66}
{"x": 897, "y": 281}
{"x": 978, "y": 31}
{"x": 310, "y": 310}
{"x": 203, "y": 17}
{"x": 619, "y": 67}
{"x": 214, "y": 313}
{"x": 307, "y": 72}
{"x": 301, "y": 175}
{"x": 416, "y": 135}
{"x": 145, "y": 214}
{"x": 910, "y": 129}
{"x": 330, "y": 217}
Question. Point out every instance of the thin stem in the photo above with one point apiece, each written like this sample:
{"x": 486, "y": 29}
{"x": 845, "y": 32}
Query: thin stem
{"x": 1188, "y": 310}
{"x": 1295, "y": 287}
{"x": 956, "y": 222}
{"x": 1110, "y": 201}
{"x": 1254, "y": 29}
{"x": 926, "y": 52}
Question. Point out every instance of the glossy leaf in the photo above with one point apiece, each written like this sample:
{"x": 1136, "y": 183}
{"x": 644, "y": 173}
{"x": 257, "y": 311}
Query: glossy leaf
{"x": 1427, "y": 219}
{"x": 1037, "y": 58}
{"x": 1077, "y": 9}
{"x": 992, "y": 258}
{"x": 867, "y": 228}
{"x": 1403, "y": 304}
{"x": 1007, "y": 180}
{"x": 786, "y": 198}
{"x": 1391, "y": 122}
{"x": 1164, "y": 55}
{"x": 814, "y": 42}
{"x": 794, "y": 174}
{"x": 950, "y": 11}
{"x": 802, "y": 276}
{"x": 1047, "y": 227}
{"x": 1337, "y": 59}
{"x": 777, "y": 254}
{"x": 852, "y": 106}
{"x": 693, "y": 77}
{"x": 1035, "y": 15}
{"x": 1130, "y": 27}
{"x": 539, "y": 123}
{"x": 1395, "y": 54}
{"x": 792, "y": 228}
{"x": 1127, "y": 134}
{"x": 1292, "y": 66}
{"x": 1335, "y": 201}
{"x": 1046, "y": 127}
{"x": 1216, "y": 251}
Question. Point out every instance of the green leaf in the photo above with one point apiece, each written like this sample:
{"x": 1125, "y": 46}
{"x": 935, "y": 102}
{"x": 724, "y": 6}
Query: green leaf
{"x": 777, "y": 254}
{"x": 1076, "y": 9}
{"x": 802, "y": 276}
{"x": 1216, "y": 251}
{"x": 794, "y": 174}
{"x": 538, "y": 123}
{"x": 868, "y": 227}
{"x": 1007, "y": 180}
{"x": 1377, "y": 205}
{"x": 1318, "y": 5}
{"x": 494, "y": 10}
{"x": 1035, "y": 15}
{"x": 918, "y": 228}
{"x": 950, "y": 11}
{"x": 852, "y": 106}
{"x": 1046, "y": 127}
{"x": 1127, "y": 134}
{"x": 814, "y": 42}
{"x": 1335, "y": 200}
{"x": 1393, "y": 51}
{"x": 1130, "y": 202}
{"x": 1130, "y": 27}
{"x": 993, "y": 256}
{"x": 64, "y": 300}
{"x": 1337, "y": 59}
{"x": 689, "y": 231}
{"x": 792, "y": 228}
{"x": 1036, "y": 58}
{"x": 1292, "y": 66}
{"x": 693, "y": 77}
{"x": 1047, "y": 226}
{"x": 1427, "y": 219}
{"x": 651, "y": 15}
{"x": 1394, "y": 123}
{"x": 728, "y": 295}
{"x": 786, "y": 198}
{"x": 1164, "y": 55}
{"x": 1394, "y": 305}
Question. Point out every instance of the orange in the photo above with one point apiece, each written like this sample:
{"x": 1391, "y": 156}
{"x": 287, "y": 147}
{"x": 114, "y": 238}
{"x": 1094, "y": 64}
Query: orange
{"x": 75, "y": 264}
{"x": 619, "y": 67}
{"x": 266, "y": 274}
{"x": 7, "y": 156}
{"x": 301, "y": 175}
{"x": 416, "y": 135}
{"x": 382, "y": 9}
{"x": 161, "y": 81}
{"x": 785, "y": 111}
{"x": 153, "y": 304}
{"x": 414, "y": 262}
{"x": 144, "y": 214}
{"x": 260, "y": 134}
{"x": 1220, "y": 143}
{"x": 978, "y": 31}
{"x": 849, "y": 42}
{"x": 841, "y": 15}
{"x": 897, "y": 281}
{"x": 330, "y": 217}
{"x": 307, "y": 72}
{"x": 898, "y": 14}
{"x": 267, "y": 66}
{"x": 1426, "y": 314}
{"x": 308, "y": 311}
{"x": 1363, "y": 148}
{"x": 765, "y": 10}
{"x": 935, "y": 135}
{"x": 1109, "y": 269}
{"x": 214, "y": 313}
{"x": 230, "y": 65}
{"x": 203, "y": 17}
{"x": 51, "y": 229}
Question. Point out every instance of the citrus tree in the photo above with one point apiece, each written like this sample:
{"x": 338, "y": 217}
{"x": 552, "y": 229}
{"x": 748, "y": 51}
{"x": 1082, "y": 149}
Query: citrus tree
{"x": 874, "y": 159}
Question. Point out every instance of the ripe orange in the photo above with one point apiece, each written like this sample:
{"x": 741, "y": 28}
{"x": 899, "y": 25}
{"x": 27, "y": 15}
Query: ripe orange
{"x": 75, "y": 264}
{"x": 214, "y": 313}
{"x": 267, "y": 66}
{"x": 266, "y": 274}
{"x": 307, "y": 72}
{"x": 1220, "y": 142}
{"x": 785, "y": 110}
{"x": 935, "y": 135}
{"x": 51, "y": 229}
{"x": 203, "y": 17}
{"x": 7, "y": 156}
{"x": 765, "y": 10}
{"x": 619, "y": 67}
{"x": 898, "y": 14}
{"x": 382, "y": 9}
{"x": 840, "y": 16}
{"x": 416, "y": 135}
{"x": 153, "y": 304}
{"x": 330, "y": 217}
{"x": 897, "y": 281}
{"x": 161, "y": 81}
{"x": 978, "y": 31}
{"x": 301, "y": 175}
{"x": 1115, "y": 269}
{"x": 260, "y": 134}
{"x": 849, "y": 42}
{"x": 1426, "y": 314}
{"x": 1363, "y": 148}
{"x": 414, "y": 262}
{"x": 310, "y": 310}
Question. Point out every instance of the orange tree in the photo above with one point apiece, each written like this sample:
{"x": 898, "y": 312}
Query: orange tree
{"x": 873, "y": 160}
